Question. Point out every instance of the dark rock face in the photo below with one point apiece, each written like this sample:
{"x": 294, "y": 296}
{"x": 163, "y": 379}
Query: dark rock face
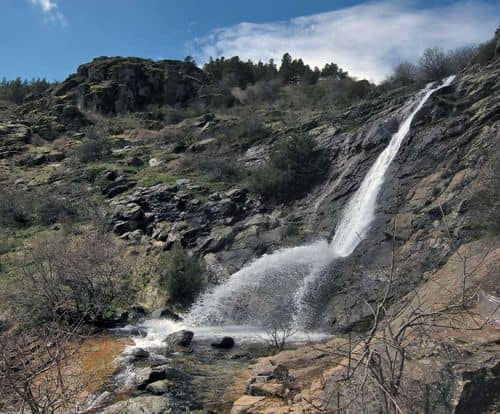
{"x": 49, "y": 116}
{"x": 181, "y": 338}
{"x": 225, "y": 343}
{"x": 111, "y": 85}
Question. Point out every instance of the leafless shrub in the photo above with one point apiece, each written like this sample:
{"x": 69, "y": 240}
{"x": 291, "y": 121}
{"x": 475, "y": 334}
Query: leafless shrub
{"x": 434, "y": 64}
{"x": 278, "y": 332}
{"x": 72, "y": 276}
{"x": 93, "y": 148}
{"x": 405, "y": 73}
{"x": 36, "y": 375}
{"x": 20, "y": 208}
{"x": 261, "y": 91}
{"x": 461, "y": 57}
{"x": 372, "y": 375}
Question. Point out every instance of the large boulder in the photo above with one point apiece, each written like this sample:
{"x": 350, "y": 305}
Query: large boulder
{"x": 181, "y": 338}
{"x": 225, "y": 343}
{"x": 113, "y": 85}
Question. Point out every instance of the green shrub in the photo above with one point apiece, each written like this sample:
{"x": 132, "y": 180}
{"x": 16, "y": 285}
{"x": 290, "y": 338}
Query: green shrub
{"x": 15, "y": 209}
{"x": 181, "y": 275}
{"x": 94, "y": 147}
{"x": 294, "y": 166}
{"x": 214, "y": 166}
{"x": 221, "y": 169}
{"x": 22, "y": 208}
{"x": 18, "y": 89}
{"x": 249, "y": 129}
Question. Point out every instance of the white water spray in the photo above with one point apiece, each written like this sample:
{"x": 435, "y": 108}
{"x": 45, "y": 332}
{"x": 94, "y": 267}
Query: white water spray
{"x": 278, "y": 283}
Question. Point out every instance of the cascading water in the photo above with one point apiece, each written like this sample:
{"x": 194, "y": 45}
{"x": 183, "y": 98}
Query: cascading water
{"x": 276, "y": 285}
{"x": 360, "y": 210}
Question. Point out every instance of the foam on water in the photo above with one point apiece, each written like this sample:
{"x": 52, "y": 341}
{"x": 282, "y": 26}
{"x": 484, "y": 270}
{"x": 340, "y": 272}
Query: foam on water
{"x": 158, "y": 329}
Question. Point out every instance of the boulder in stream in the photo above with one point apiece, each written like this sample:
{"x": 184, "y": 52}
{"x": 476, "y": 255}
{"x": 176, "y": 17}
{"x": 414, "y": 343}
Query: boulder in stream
{"x": 225, "y": 343}
{"x": 181, "y": 338}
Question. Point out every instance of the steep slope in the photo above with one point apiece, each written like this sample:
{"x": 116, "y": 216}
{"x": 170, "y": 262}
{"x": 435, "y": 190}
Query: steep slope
{"x": 426, "y": 211}
{"x": 164, "y": 182}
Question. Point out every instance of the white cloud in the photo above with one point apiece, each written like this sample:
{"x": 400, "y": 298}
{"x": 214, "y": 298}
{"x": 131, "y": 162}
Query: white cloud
{"x": 367, "y": 39}
{"x": 50, "y": 10}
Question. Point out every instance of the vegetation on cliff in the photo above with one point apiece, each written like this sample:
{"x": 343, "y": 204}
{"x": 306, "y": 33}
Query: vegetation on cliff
{"x": 196, "y": 172}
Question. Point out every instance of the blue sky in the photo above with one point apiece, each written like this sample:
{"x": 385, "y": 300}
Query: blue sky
{"x": 50, "y": 38}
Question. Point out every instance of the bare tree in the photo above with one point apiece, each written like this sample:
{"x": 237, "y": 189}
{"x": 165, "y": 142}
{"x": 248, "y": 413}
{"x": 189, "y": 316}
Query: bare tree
{"x": 278, "y": 332}
{"x": 36, "y": 375}
{"x": 405, "y": 73}
{"x": 372, "y": 375}
{"x": 434, "y": 64}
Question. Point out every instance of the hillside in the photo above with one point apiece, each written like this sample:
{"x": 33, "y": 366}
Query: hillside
{"x": 134, "y": 186}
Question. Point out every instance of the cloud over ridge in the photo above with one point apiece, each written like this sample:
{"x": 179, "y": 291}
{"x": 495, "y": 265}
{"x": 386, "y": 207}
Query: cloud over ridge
{"x": 50, "y": 10}
{"x": 366, "y": 39}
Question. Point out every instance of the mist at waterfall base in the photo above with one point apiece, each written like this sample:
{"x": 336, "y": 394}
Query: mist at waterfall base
{"x": 282, "y": 286}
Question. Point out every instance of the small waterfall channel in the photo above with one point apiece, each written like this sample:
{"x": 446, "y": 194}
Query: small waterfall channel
{"x": 275, "y": 285}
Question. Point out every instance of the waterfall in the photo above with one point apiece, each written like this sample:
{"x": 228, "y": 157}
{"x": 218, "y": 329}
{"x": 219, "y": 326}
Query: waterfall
{"x": 360, "y": 210}
{"x": 278, "y": 285}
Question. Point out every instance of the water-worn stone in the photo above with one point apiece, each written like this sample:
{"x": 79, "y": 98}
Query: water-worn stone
{"x": 181, "y": 338}
{"x": 225, "y": 343}
{"x": 146, "y": 375}
{"x": 145, "y": 404}
{"x": 160, "y": 387}
{"x": 139, "y": 353}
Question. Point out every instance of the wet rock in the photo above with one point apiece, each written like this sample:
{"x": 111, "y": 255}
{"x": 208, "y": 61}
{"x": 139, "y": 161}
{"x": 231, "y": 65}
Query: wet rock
{"x": 138, "y": 353}
{"x": 147, "y": 375}
{"x": 169, "y": 314}
{"x": 160, "y": 387}
{"x": 225, "y": 343}
{"x": 146, "y": 404}
{"x": 219, "y": 238}
{"x": 181, "y": 338}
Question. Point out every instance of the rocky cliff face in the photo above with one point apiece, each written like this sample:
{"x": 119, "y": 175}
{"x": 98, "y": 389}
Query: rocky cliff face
{"x": 118, "y": 85}
{"x": 425, "y": 212}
